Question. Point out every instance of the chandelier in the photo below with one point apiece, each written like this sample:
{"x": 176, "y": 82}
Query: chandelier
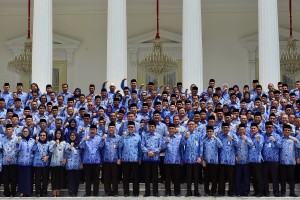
{"x": 290, "y": 57}
{"x": 22, "y": 62}
{"x": 157, "y": 63}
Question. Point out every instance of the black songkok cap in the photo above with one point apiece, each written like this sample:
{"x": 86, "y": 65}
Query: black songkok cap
{"x": 171, "y": 125}
{"x": 131, "y": 123}
{"x": 8, "y": 126}
{"x": 43, "y": 120}
{"x": 93, "y": 126}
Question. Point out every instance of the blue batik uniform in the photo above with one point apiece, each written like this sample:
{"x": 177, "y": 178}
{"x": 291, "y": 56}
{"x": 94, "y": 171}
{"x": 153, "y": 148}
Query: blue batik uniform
{"x": 270, "y": 151}
{"x": 130, "y": 148}
{"x": 9, "y": 150}
{"x": 57, "y": 151}
{"x": 173, "y": 151}
{"x": 25, "y": 156}
{"x": 151, "y": 142}
{"x": 210, "y": 148}
{"x": 228, "y": 151}
{"x": 91, "y": 150}
{"x": 255, "y": 155}
{"x": 288, "y": 151}
{"x": 40, "y": 150}
{"x": 73, "y": 157}
{"x": 110, "y": 152}
{"x": 191, "y": 147}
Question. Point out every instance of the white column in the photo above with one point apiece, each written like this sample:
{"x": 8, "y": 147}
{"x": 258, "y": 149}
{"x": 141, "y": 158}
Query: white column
{"x": 269, "y": 57}
{"x": 192, "y": 56}
{"x": 116, "y": 42}
{"x": 42, "y": 43}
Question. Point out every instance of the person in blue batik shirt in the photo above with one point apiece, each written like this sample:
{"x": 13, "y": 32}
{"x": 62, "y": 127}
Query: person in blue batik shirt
{"x": 111, "y": 160}
{"x": 172, "y": 160}
{"x": 91, "y": 160}
{"x": 73, "y": 163}
{"x": 25, "y": 159}
{"x": 130, "y": 154}
{"x": 270, "y": 153}
{"x": 210, "y": 160}
{"x": 151, "y": 146}
{"x": 227, "y": 159}
{"x": 288, "y": 160}
{"x": 41, "y": 161}
{"x": 10, "y": 170}
{"x": 242, "y": 176}
{"x": 255, "y": 160}
{"x": 57, "y": 163}
{"x": 190, "y": 143}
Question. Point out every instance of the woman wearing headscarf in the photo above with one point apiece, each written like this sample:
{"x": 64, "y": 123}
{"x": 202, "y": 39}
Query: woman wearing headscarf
{"x": 70, "y": 126}
{"x": 57, "y": 163}
{"x": 41, "y": 162}
{"x": 73, "y": 163}
{"x": 25, "y": 161}
{"x": 76, "y": 94}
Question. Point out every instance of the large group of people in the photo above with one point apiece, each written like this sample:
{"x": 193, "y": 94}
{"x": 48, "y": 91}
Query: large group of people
{"x": 159, "y": 134}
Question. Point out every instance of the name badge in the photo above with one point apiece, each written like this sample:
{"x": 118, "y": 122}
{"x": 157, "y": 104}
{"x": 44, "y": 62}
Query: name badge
{"x": 269, "y": 145}
{"x": 115, "y": 146}
{"x": 196, "y": 142}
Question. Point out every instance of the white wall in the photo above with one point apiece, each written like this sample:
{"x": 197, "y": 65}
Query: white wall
{"x": 225, "y": 59}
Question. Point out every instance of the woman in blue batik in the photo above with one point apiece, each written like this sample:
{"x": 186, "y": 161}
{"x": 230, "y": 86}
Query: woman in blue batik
{"x": 71, "y": 126}
{"x": 57, "y": 163}
{"x": 73, "y": 163}
{"x": 41, "y": 164}
{"x": 25, "y": 159}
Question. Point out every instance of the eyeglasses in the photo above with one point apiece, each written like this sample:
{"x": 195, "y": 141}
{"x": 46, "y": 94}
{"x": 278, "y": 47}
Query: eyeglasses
{"x": 43, "y": 135}
{"x": 269, "y": 127}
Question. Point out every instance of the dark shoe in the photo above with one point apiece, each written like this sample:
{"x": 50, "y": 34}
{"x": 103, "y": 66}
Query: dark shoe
{"x": 126, "y": 195}
{"x": 156, "y": 195}
{"x": 105, "y": 195}
{"x": 167, "y": 194}
{"x": 283, "y": 194}
{"x": 276, "y": 195}
{"x": 177, "y": 194}
{"x": 135, "y": 195}
{"x": 253, "y": 195}
{"x": 206, "y": 194}
{"x": 146, "y": 195}
{"x": 38, "y": 195}
{"x": 259, "y": 195}
{"x": 197, "y": 194}
{"x": 188, "y": 194}
{"x": 293, "y": 195}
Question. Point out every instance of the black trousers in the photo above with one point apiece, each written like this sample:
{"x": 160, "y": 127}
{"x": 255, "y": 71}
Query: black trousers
{"x": 192, "y": 175}
{"x": 172, "y": 174}
{"x": 287, "y": 174}
{"x": 41, "y": 176}
{"x": 91, "y": 172}
{"x": 226, "y": 172}
{"x": 73, "y": 181}
{"x": 10, "y": 178}
{"x": 110, "y": 178}
{"x": 57, "y": 177}
{"x": 270, "y": 169}
{"x": 131, "y": 171}
{"x": 256, "y": 174}
{"x": 210, "y": 175}
{"x": 162, "y": 171}
{"x": 242, "y": 180}
{"x": 151, "y": 174}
